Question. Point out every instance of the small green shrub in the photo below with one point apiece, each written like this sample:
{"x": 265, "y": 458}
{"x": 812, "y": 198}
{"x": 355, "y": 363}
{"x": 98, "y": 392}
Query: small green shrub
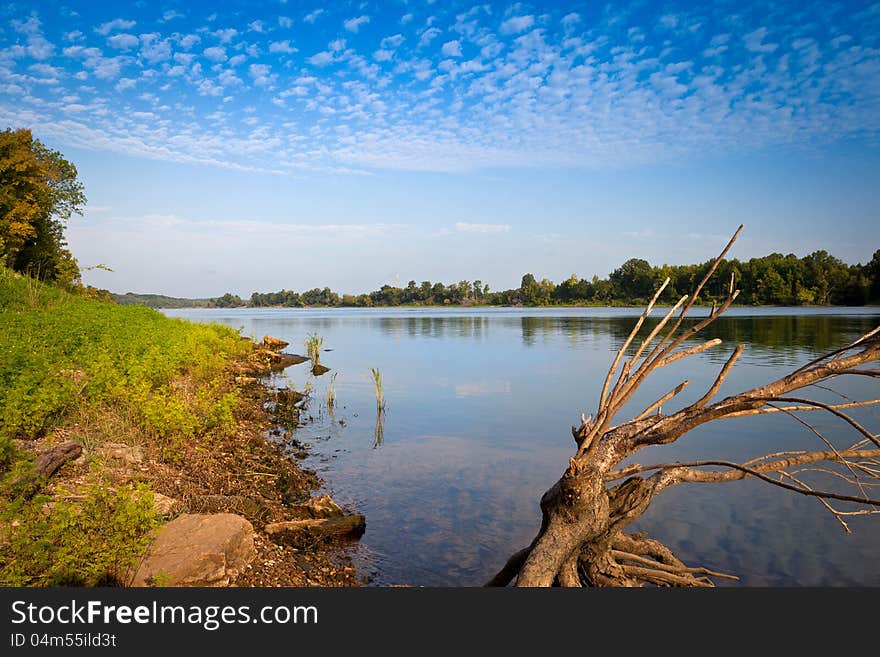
{"x": 91, "y": 542}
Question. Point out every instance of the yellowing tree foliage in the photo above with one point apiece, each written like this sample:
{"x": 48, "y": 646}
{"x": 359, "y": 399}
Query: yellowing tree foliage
{"x": 39, "y": 192}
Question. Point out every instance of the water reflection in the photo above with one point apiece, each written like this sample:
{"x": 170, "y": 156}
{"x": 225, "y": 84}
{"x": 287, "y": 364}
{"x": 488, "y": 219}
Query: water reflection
{"x": 482, "y": 402}
{"x": 379, "y": 430}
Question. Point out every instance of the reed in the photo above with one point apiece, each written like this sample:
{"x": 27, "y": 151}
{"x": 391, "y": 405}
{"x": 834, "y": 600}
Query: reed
{"x": 377, "y": 387}
{"x": 331, "y": 392}
{"x": 314, "y": 343}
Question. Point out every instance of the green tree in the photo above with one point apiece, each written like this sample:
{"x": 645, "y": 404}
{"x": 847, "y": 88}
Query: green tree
{"x": 39, "y": 192}
{"x": 633, "y": 279}
{"x": 872, "y": 274}
{"x": 228, "y": 300}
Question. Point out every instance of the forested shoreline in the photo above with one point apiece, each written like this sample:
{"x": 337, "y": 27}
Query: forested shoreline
{"x": 818, "y": 279}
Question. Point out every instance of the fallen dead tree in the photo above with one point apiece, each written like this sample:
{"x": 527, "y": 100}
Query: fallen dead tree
{"x": 583, "y": 539}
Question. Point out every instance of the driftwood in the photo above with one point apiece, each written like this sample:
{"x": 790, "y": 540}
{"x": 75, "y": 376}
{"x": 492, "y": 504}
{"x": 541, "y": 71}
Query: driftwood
{"x": 299, "y": 531}
{"x": 316, "y": 520}
{"x": 582, "y": 539}
{"x": 46, "y": 464}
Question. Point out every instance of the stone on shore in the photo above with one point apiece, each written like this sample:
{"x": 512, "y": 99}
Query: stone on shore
{"x": 275, "y": 344}
{"x": 198, "y": 550}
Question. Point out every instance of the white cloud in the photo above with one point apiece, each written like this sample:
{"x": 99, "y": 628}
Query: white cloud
{"x": 322, "y": 58}
{"x": 123, "y": 41}
{"x": 226, "y": 35}
{"x": 282, "y": 47}
{"x": 354, "y": 24}
{"x": 154, "y": 48}
{"x": 451, "y": 48}
{"x": 261, "y": 74}
{"x": 517, "y": 24}
{"x": 394, "y": 41}
{"x": 570, "y": 20}
{"x": 256, "y": 26}
{"x": 189, "y": 40}
{"x": 116, "y": 24}
{"x": 754, "y": 41}
{"x": 428, "y": 35}
{"x": 486, "y": 229}
{"x": 38, "y": 46}
{"x": 215, "y": 53}
{"x": 285, "y": 22}
{"x": 125, "y": 83}
{"x": 311, "y": 17}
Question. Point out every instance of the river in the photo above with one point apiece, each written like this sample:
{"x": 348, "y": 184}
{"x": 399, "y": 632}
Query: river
{"x": 477, "y": 426}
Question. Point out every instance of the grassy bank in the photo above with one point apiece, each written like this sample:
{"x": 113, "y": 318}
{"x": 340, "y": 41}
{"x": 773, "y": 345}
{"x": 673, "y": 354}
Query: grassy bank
{"x": 155, "y": 405}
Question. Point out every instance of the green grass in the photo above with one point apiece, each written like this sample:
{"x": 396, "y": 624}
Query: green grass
{"x": 77, "y": 368}
{"x": 61, "y": 354}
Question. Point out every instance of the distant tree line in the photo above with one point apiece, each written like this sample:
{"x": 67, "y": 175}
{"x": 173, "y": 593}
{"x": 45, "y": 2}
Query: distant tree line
{"x": 816, "y": 279}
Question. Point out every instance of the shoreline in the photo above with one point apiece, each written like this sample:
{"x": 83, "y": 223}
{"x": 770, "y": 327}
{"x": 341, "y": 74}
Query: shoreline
{"x": 112, "y": 442}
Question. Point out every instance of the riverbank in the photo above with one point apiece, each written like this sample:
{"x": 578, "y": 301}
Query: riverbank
{"x": 143, "y": 420}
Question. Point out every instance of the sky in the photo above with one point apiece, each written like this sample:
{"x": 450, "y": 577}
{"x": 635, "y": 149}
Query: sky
{"x": 245, "y": 146}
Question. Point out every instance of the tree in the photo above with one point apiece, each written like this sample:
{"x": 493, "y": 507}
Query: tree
{"x": 633, "y": 279}
{"x": 872, "y": 273}
{"x": 228, "y": 300}
{"x": 478, "y": 290}
{"x": 39, "y": 192}
{"x": 582, "y": 539}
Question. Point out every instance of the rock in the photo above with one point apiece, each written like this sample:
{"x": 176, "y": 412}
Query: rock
{"x": 164, "y": 505}
{"x": 198, "y": 550}
{"x": 287, "y": 360}
{"x": 318, "y": 507}
{"x": 319, "y": 369}
{"x": 296, "y": 532}
{"x": 274, "y": 343}
{"x": 121, "y": 452}
{"x": 288, "y": 397}
{"x": 246, "y": 380}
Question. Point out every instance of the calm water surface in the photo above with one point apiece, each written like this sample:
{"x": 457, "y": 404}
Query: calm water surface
{"x": 479, "y": 405}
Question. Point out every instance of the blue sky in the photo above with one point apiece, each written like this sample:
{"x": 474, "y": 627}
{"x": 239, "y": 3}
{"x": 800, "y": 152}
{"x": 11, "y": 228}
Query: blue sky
{"x": 246, "y": 146}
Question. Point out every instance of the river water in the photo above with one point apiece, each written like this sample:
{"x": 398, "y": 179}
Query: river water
{"x": 477, "y": 426}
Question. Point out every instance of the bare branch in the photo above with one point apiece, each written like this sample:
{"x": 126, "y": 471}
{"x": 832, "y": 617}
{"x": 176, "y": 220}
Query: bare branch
{"x": 833, "y": 354}
{"x": 626, "y": 344}
{"x": 843, "y": 416}
{"x": 754, "y": 467}
{"x": 721, "y": 375}
{"x": 802, "y": 408}
{"x": 827, "y": 442}
{"x": 665, "y": 398}
{"x": 714, "y": 342}
{"x": 675, "y": 473}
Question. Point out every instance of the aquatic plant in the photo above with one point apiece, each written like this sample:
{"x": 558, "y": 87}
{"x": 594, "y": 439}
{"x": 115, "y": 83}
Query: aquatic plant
{"x": 331, "y": 392}
{"x": 313, "y": 348}
{"x": 379, "y": 432}
{"x": 377, "y": 387}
